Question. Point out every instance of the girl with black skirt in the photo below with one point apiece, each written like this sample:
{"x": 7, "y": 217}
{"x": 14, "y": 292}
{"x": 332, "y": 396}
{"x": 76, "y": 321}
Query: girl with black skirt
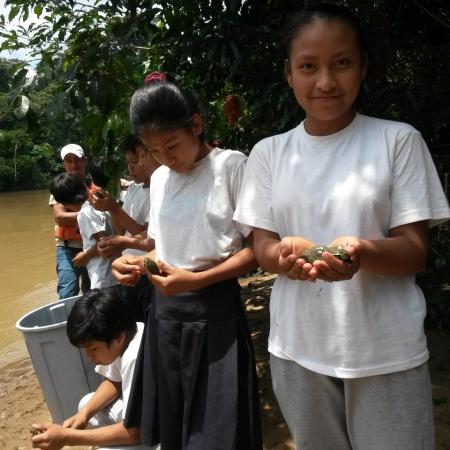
{"x": 195, "y": 381}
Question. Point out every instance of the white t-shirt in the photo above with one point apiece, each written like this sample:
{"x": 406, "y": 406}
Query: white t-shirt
{"x": 121, "y": 369}
{"x": 137, "y": 206}
{"x": 191, "y": 214}
{"x": 90, "y": 222}
{"x": 362, "y": 181}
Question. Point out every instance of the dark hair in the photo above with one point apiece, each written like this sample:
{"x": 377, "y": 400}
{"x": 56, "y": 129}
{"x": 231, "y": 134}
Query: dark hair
{"x": 68, "y": 189}
{"x": 129, "y": 143}
{"x": 99, "y": 315}
{"x": 99, "y": 178}
{"x": 162, "y": 104}
{"x": 324, "y": 11}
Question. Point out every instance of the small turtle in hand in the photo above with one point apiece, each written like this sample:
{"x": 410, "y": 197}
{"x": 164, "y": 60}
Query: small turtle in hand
{"x": 34, "y": 431}
{"x": 314, "y": 253}
{"x": 151, "y": 266}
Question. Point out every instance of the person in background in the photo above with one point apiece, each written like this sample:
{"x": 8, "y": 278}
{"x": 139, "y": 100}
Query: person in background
{"x": 348, "y": 352}
{"x": 93, "y": 225}
{"x": 130, "y": 223}
{"x": 67, "y": 236}
{"x": 101, "y": 324}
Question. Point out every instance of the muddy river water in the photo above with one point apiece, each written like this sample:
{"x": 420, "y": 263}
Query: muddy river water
{"x": 27, "y": 261}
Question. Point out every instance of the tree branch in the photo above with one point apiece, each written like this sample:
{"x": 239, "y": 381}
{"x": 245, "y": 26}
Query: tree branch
{"x": 445, "y": 24}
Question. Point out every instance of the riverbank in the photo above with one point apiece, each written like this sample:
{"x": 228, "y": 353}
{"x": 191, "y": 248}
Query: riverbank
{"x": 23, "y": 402}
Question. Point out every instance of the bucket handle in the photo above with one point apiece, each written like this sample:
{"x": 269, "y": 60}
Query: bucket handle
{"x": 58, "y": 312}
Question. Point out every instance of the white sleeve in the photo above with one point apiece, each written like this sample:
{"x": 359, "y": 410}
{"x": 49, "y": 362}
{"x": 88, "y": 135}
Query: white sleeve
{"x": 416, "y": 191}
{"x": 91, "y": 222}
{"x": 154, "y": 182}
{"x": 144, "y": 206}
{"x": 110, "y": 371}
{"x": 137, "y": 203}
{"x": 52, "y": 201}
{"x": 235, "y": 187}
{"x": 254, "y": 207}
{"x": 151, "y": 224}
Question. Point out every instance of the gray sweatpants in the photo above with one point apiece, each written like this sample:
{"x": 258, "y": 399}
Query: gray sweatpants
{"x": 383, "y": 412}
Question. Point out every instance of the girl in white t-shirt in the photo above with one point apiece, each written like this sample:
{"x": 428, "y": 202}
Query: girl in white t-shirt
{"x": 195, "y": 382}
{"x": 348, "y": 351}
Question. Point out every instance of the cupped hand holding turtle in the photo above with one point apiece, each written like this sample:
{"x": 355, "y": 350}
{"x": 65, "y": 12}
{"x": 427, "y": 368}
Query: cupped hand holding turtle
{"x": 127, "y": 269}
{"x": 301, "y": 260}
{"x": 341, "y": 265}
{"x": 174, "y": 280}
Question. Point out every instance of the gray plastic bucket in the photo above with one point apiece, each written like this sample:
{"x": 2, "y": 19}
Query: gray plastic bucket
{"x": 63, "y": 372}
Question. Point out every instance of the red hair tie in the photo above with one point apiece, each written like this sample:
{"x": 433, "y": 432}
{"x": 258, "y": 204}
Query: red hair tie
{"x": 155, "y": 76}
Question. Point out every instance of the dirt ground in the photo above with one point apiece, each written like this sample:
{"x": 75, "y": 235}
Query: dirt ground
{"x": 23, "y": 404}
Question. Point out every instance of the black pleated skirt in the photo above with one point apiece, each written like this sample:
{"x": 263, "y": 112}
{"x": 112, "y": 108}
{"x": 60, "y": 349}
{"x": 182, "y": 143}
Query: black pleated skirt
{"x": 139, "y": 297}
{"x": 194, "y": 386}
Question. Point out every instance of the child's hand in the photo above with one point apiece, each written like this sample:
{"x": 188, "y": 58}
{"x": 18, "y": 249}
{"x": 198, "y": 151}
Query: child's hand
{"x": 174, "y": 280}
{"x": 330, "y": 268}
{"x": 127, "y": 269}
{"x": 51, "y": 436}
{"x": 102, "y": 201}
{"x": 80, "y": 259}
{"x": 289, "y": 262}
{"x": 110, "y": 246}
{"x": 78, "y": 420}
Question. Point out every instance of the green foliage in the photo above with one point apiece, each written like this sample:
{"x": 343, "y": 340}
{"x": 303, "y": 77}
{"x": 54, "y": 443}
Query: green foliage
{"x": 219, "y": 48}
{"x": 29, "y": 138}
{"x": 439, "y": 400}
{"x": 94, "y": 56}
{"x": 17, "y": 166}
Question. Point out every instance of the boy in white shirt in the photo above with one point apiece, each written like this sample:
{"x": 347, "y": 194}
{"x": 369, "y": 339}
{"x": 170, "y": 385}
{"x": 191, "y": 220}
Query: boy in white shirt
{"x": 101, "y": 323}
{"x": 93, "y": 226}
{"x": 130, "y": 222}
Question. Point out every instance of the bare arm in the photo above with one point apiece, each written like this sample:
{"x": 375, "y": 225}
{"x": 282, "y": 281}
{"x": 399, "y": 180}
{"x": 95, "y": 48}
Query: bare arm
{"x": 278, "y": 255}
{"x": 115, "y": 434}
{"x": 128, "y": 223}
{"x": 83, "y": 257}
{"x": 54, "y": 437}
{"x": 112, "y": 245}
{"x": 107, "y": 392}
{"x": 404, "y": 252}
{"x": 127, "y": 269}
{"x": 141, "y": 242}
{"x": 239, "y": 264}
{"x": 120, "y": 219}
{"x": 177, "y": 280}
{"x": 63, "y": 216}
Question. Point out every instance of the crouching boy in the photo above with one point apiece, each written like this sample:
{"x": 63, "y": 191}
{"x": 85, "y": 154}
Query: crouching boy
{"x": 102, "y": 324}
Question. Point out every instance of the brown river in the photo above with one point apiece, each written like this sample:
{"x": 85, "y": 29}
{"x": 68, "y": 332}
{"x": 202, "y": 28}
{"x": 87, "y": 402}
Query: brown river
{"x": 27, "y": 251}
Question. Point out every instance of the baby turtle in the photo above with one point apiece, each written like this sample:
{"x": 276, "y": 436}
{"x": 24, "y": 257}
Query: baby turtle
{"x": 34, "y": 431}
{"x": 315, "y": 253}
{"x": 151, "y": 266}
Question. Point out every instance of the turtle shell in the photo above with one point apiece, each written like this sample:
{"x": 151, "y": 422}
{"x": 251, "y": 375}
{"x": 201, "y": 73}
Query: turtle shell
{"x": 151, "y": 266}
{"x": 314, "y": 253}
